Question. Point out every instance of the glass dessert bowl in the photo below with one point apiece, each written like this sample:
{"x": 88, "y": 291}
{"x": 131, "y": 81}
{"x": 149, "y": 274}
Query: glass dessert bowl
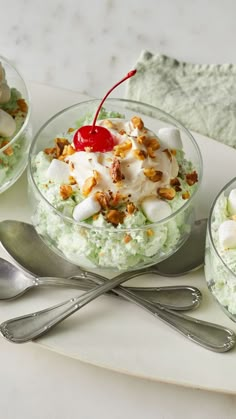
{"x": 15, "y": 128}
{"x": 123, "y": 208}
{"x": 220, "y": 255}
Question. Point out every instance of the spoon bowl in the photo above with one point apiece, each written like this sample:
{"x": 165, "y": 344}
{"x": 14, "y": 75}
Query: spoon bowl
{"x": 12, "y": 232}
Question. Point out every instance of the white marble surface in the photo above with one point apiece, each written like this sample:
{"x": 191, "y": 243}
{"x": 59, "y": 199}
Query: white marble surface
{"x": 86, "y": 46}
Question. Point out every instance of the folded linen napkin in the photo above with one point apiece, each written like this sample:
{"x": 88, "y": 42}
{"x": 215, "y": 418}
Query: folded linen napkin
{"x": 202, "y": 97}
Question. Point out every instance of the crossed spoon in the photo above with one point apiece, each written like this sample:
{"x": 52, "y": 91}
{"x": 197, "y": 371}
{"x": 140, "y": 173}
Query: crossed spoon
{"x": 31, "y": 326}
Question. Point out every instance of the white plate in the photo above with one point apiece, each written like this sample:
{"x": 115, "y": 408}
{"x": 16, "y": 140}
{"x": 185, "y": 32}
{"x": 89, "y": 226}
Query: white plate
{"x": 115, "y": 334}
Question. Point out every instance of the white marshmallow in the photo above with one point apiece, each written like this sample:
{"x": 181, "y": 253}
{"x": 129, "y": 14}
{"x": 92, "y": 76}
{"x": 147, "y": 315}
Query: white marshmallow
{"x": 155, "y": 209}
{"x": 232, "y": 202}
{"x": 86, "y": 209}
{"x": 7, "y": 124}
{"x": 227, "y": 234}
{"x": 170, "y": 137}
{"x": 58, "y": 171}
{"x": 5, "y": 93}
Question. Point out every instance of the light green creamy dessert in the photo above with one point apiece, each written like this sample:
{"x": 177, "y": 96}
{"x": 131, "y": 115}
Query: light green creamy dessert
{"x": 128, "y": 192}
{"x": 11, "y": 155}
{"x": 220, "y": 269}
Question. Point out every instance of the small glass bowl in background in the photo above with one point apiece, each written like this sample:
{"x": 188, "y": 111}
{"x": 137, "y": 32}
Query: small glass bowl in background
{"x": 76, "y": 241}
{"x": 13, "y": 164}
{"x": 220, "y": 265}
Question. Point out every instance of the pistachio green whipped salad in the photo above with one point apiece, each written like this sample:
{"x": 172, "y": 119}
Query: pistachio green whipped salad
{"x": 222, "y": 280}
{"x": 13, "y": 112}
{"x": 107, "y": 207}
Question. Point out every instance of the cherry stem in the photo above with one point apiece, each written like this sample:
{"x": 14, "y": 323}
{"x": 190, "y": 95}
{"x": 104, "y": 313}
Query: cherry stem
{"x": 130, "y": 74}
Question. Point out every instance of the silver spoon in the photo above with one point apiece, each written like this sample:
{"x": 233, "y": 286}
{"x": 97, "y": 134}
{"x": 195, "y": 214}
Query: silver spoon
{"x": 12, "y": 232}
{"x": 14, "y": 282}
{"x": 30, "y": 258}
{"x": 28, "y": 327}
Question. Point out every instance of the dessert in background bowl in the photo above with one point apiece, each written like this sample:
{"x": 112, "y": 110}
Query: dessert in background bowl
{"x": 116, "y": 195}
{"x": 15, "y": 129}
{"x": 220, "y": 256}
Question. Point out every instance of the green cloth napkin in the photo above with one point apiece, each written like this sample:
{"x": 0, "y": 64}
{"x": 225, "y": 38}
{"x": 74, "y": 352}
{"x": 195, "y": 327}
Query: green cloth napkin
{"x": 202, "y": 97}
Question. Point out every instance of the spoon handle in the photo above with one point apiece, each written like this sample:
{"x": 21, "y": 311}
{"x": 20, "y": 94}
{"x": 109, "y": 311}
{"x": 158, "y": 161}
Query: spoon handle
{"x": 31, "y": 326}
{"x": 209, "y": 335}
{"x": 179, "y": 298}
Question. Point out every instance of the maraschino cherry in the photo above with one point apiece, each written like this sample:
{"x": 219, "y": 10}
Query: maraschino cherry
{"x": 95, "y": 137}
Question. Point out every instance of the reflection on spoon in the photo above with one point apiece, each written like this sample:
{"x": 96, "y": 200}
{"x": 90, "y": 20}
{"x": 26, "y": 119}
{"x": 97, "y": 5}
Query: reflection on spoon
{"x": 15, "y": 282}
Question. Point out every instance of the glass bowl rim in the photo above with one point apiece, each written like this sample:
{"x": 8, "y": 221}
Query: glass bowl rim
{"x": 28, "y": 99}
{"x": 223, "y": 189}
{"x": 124, "y": 229}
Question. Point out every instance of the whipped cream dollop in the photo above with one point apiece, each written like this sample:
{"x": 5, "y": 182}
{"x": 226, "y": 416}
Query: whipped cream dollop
{"x": 137, "y": 166}
{"x": 7, "y": 122}
{"x": 141, "y": 172}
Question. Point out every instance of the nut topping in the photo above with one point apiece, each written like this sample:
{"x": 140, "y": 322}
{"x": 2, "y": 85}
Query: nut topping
{"x": 131, "y": 208}
{"x": 66, "y": 191}
{"x": 137, "y": 122}
{"x": 167, "y": 193}
{"x": 88, "y": 185}
{"x": 140, "y": 154}
{"x": 120, "y": 150}
{"x": 103, "y": 199}
{"x": 115, "y": 217}
{"x": 60, "y": 144}
{"x": 152, "y": 174}
{"x": 115, "y": 171}
{"x": 191, "y": 178}
{"x": 186, "y": 195}
{"x": 9, "y": 150}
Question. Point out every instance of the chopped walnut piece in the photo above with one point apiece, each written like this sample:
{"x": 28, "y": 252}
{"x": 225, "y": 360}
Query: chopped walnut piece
{"x": 60, "y": 144}
{"x": 186, "y": 195}
{"x": 175, "y": 182}
{"x": 120, "y": 150}
{"x": 88, "y": 185}
{"x": 168, "y": 153}
{"x": 9, "y": 150}
{"x": 115, "y": 171}
{"x": 22, "y": 105}
{"x": 115, "y": 217}
{"x": 173, "y": 152}
{"x": 153, "y": 143}
{"x": 50, "y": 151}
{"x": 71, "y": 130}
{"x": 66, "y": 191}
{"x": 191, "y": 178}
{"x": 141, "y": 139}
{"x": 140, "y": 154}
{"x": 72, "y": 180}
{"x": 127, "y": 238}
{"x": 137, "y": 122}
{"x": 152, "y": 174}
{"x": 167, "y": 193}
{"x": 131, "y": 208}
{"x": 177, "y": 188}
{"x": 68, "y": 150}
{"x": 122, "y": 132}
{"x": 103, "y": 198}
